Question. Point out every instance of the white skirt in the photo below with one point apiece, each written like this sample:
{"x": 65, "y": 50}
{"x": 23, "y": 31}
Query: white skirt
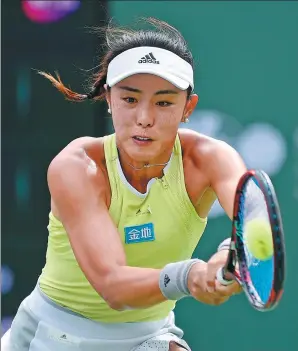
{"x": 42, "y": 325}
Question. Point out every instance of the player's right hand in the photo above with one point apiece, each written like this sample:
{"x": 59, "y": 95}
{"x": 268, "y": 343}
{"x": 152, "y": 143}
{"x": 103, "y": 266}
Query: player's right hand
{"x": 199, "y": 288}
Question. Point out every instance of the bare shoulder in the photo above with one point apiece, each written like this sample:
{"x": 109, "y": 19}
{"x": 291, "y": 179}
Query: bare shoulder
{"x": 78, "y": 168}
{"x": 209, "y": 153}
{"x": 92, "y": 147}
{"x": 218, "y": 163}
{"x": 211, "y": 169}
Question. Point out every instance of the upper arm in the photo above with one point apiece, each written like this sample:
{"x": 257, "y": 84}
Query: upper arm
{"x": 225, "y": 169}
{"x": 77, "y": 188}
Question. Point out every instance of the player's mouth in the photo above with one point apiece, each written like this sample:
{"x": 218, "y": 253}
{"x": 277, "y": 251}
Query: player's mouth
{"x": 141, "y": 140}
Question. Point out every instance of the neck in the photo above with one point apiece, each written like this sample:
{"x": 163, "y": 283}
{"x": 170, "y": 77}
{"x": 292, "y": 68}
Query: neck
{"x": 138, "y": 174}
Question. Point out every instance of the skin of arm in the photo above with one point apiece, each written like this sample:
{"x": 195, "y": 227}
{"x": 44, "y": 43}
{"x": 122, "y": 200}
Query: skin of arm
{"x": 225, "y": 167}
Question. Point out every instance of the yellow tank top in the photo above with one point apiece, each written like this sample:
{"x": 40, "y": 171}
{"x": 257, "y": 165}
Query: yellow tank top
{"x": 156, "y": 228}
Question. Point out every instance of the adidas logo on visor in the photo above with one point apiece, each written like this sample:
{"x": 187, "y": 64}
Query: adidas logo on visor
{"x": 148, "y": 59}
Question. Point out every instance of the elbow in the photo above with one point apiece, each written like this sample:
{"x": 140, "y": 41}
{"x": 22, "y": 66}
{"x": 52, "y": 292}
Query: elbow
{"x": 114, "y": 299}
{"x": 107, "y": 282}
{"x": 110, "y": 291}
{"x": 114, "y": 303}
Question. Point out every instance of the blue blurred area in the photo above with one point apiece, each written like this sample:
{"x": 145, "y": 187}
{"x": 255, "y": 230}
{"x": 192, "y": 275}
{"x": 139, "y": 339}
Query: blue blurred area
{"x": 262, "y": 274}
{"x": 7, "y": 279}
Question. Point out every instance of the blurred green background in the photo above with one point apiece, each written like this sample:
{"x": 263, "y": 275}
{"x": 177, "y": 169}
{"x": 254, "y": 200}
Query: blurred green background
{"x": 247, "y": 78}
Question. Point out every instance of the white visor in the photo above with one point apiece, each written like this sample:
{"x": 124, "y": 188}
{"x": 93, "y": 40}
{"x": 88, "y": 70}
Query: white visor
{"x": 152, "y": 60}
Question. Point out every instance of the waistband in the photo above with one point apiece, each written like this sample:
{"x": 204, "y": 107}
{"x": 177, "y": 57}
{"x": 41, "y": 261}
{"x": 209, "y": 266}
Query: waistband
{"x": 48, "y": 311}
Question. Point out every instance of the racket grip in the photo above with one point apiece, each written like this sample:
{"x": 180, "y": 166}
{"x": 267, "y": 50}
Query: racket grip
{"x": 220, "y": 276}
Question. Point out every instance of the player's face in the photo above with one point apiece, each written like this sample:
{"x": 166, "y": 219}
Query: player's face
{"x": 146, "y": 112}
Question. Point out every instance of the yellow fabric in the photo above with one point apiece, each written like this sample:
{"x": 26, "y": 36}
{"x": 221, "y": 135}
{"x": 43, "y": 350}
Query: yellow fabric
{"x": 177, "y": 229}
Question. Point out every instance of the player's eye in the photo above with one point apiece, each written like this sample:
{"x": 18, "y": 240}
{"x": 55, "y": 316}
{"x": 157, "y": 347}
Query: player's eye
{"x": 164, "y": 103}
{"x": 130, "y": 100}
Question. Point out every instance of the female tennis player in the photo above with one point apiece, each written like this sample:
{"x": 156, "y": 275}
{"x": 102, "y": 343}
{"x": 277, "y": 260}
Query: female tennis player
{"x": 128, "y": 209}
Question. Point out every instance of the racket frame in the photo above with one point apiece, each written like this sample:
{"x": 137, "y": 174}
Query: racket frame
{"x": 237, "y": 251}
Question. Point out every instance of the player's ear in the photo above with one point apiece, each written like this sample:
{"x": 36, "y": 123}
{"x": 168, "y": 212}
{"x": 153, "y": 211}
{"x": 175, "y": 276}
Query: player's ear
{"x": 108, "y": 96}
{"x": 190, "y": 105}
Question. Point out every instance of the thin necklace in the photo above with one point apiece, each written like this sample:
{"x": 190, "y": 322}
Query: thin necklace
{"x": 147, "y": 165}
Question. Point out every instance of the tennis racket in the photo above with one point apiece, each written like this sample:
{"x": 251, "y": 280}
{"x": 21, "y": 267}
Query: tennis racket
{"x": 262, "y": 280}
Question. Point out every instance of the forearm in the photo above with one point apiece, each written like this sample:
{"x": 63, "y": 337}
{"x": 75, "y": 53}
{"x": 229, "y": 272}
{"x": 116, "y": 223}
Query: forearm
{"x": 132, "y": 287}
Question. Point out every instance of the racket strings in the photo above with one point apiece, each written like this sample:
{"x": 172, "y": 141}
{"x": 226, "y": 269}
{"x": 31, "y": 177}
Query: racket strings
{"x": 255, "y": 204}
{"x": 254, "y": 208}
{"x": 260, "y": 271}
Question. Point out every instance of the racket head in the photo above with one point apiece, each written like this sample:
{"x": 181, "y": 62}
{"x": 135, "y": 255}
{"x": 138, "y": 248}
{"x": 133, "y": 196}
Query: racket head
{"x": 262, "y": 279}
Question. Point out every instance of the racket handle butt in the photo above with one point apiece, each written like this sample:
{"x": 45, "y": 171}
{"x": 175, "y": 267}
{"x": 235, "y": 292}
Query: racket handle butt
{"x": 220, "y": 277}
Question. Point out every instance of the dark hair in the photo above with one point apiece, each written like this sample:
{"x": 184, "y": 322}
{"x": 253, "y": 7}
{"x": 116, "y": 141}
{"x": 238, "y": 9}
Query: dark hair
{"x": 118, "y": 40}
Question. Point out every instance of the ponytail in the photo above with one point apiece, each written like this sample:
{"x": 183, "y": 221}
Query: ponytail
{"x": 97, "y": 91}
{"x": 67, "y": 92}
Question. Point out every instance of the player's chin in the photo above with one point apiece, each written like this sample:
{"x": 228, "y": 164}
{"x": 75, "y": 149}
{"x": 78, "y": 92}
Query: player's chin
{"x": 143, "y": 154}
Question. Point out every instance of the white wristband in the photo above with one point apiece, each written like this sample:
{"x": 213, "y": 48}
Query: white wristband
{"x": 173, "y": 279}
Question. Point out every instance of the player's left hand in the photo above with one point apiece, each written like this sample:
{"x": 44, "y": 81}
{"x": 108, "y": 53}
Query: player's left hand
{"x": 217, "y": 261}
